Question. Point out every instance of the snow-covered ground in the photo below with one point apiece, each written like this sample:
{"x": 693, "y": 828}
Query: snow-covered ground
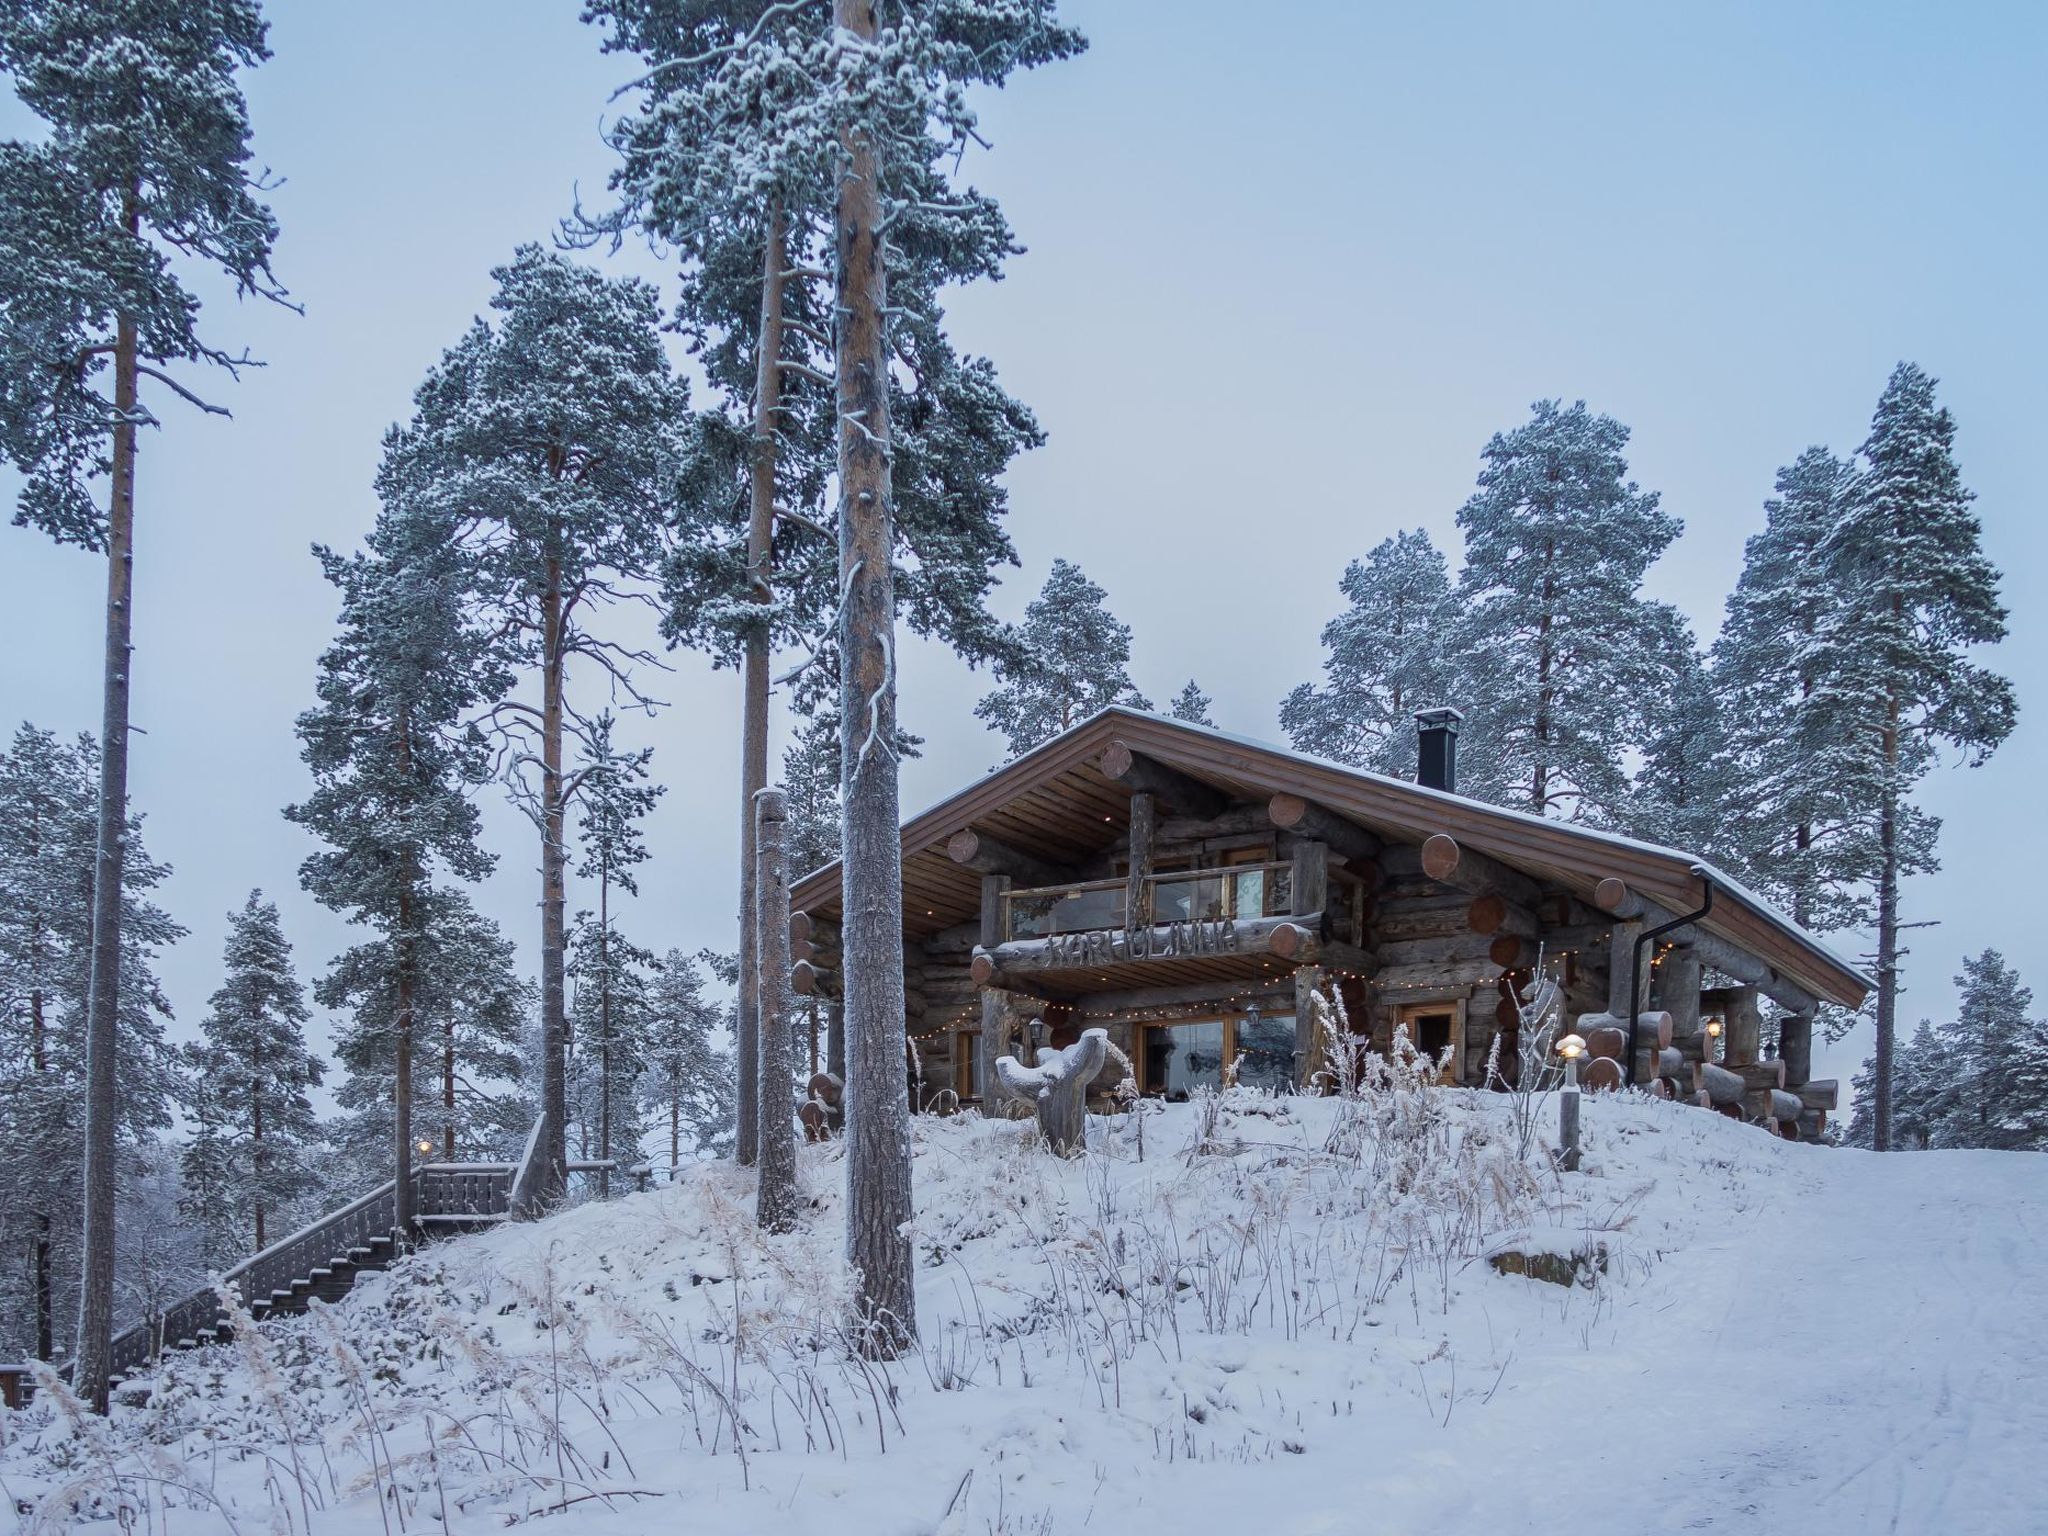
{"x": 1281, "y": 1319}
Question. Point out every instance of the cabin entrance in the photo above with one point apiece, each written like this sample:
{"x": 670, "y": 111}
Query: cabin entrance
{"x": 1433, "y": 1027}
{"x": 1179, "y": 1056}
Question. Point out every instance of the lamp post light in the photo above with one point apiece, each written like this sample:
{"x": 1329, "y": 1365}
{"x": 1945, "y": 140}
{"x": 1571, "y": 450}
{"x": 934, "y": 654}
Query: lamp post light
{"x": 1571, "y": 1048}
{"x": 1713, "y": 1034}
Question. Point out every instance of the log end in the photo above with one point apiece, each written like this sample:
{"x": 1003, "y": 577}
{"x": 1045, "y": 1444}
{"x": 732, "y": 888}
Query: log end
{"x": 1116, "y": 760}
{"x": 963, "y": 845}
{"x": 1440, "y": 856}
{"x": 1610, "y": 894}
{"x": 1600, "y": 1075}
{"x": 982, "y": 968}
{"x": 1486, "y": 913}
{"x": 1505, "y": 951}
{"x": 800, "y": 926}
{"x": 1287, "y": 810}
{"x": 803, "y": 979}
{"x": 1288, "y": 940}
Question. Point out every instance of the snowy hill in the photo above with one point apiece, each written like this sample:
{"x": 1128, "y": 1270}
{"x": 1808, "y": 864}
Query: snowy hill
{"x": 1280, "y": 1318}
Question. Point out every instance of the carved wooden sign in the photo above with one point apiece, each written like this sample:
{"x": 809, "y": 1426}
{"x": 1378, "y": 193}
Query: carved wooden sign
{"x": 1166, "y": 941}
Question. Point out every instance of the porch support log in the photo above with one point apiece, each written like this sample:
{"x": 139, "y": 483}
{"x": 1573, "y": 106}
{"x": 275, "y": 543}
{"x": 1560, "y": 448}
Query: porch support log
{"x": 1346, "y": 839}
{"x": 1795, "y": 1048}
{"x": 991, "y": 856}
{"x": 1144, "y": 819}
{"x": 1310, "y": 878}
{"x": 1135, "y": 771}
{"x": 1467, "y": 869}
{"x": 1308, "y": 1043}
{"x": 1742, "y": 1042}
{"x": 1285, "y": 938}
{"x": 1617, "y": 898}
{"x": 1621, "y": 945}
{"x": 1000, "y": 1012}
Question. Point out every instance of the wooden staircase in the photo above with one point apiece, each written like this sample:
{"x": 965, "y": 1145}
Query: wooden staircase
{"x": 324, "y": 1258}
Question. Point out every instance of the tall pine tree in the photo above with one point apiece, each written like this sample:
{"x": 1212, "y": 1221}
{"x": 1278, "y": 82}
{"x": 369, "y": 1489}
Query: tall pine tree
{"x": 686, "y": 1080}
{"x": 146, "y": 168}
{"x": 1386, "y": 659}
{"x": 1560, "y": 653}
{"x": 252, "y": 1059}
{"x": 548, "y": 441}
{"x": 1071, "y": 660}
{"x": 1917, "y": 594}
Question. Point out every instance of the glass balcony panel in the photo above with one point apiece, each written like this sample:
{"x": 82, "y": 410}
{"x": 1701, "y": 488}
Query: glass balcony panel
{"x": 1069, "y": 909}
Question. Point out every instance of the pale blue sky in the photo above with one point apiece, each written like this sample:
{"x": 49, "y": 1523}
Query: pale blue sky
{"x": 1289, "y": 266}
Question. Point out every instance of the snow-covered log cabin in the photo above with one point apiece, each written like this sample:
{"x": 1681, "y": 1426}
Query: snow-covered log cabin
{"x": 1188, "y": 890}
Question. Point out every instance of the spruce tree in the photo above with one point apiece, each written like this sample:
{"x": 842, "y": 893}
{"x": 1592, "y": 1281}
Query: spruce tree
{"x": 1793, "y": 832}
{"x": 1986, "y": 1053}
{"x": 686, "y": 1080}
{"x": 145, "y": 170}
{"x": 392, "y": 763}
{"x": 1386, "y": 659}
{"x": 48, "y": 851}
{"x": 1916, "y": 594}
{"x": 1560, "y": 653}
{"x": 1192, "y": 705}
{"x": 1070, "y": 660}
{"x": 255, "y": 1068}
{"x": 1687, "y": 787}
{"x": 548, "y": 441}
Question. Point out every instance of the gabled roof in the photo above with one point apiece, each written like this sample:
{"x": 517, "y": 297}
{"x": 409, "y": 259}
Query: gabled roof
{"x": 1057, "y": 803}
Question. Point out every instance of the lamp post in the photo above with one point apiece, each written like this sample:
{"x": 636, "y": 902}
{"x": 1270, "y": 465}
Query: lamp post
{"x": 1713, "y": 1034}
{"x": 1571, "y": 1048}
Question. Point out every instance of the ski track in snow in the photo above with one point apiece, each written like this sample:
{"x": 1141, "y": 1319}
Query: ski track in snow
{"x": 1790, "y": 1338}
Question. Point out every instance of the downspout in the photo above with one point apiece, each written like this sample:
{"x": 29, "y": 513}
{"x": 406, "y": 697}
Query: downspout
{"x": 1635, "y": 964}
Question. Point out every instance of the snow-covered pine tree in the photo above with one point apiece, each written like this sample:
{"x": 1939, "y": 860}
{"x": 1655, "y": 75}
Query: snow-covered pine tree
{"x": 1560, "y": 652}
{"x": 1793, "y": 831}
{"x": 255, "y": 1068}
{"x": 1921, "y": 1082}
{"x": 810, "y": 786}
{"x": 1917, "y": 593}
{"x": 732, "y": 160}
{"x": 1386, "y": 659}
{"x": 1192, "y": 705}
{"x": 547, "y": 441}
{"x": 48, "y": 848}
{"x": 469, "y": 1011}
{"x": 1687, "y": 786}
{"x": 392, "y": 762}
{"x": 1985, "y": 1096}
{"x": 146, "y": 167}
{"x": 686, "y": 1080}
{"x": 1071, "y": 659}
{"x": 615, "y": 795}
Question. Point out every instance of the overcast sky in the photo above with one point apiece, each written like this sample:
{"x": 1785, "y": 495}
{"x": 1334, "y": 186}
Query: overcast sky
{"x": 1289, "y": 266}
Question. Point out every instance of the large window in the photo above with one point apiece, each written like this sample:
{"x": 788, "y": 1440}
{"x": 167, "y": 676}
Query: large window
{"x": 1189, "y": 1054}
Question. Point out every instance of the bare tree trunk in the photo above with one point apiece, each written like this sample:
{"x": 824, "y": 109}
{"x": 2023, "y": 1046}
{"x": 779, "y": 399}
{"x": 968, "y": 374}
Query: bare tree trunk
{"x": 878, "y": 1204}
{"x": 754, "y": 692}
{"x": 448, "y": 1090}
{"x": 44, "y": 1281}
{"x": 604, "y": 1026}
{"x": 775, "y": 1200}
{"x": 554, "y": 1082}
{"x": 103, "y": 994}
{"x": 1887, "y": 940}
{"x": 256, "y": 1157}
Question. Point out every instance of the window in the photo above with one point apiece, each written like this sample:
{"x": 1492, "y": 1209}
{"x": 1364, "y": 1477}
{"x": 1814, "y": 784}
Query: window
{"x": 1434, "y": 1026}
{"x": 1177, "y": 1058}
{"x": 967, "y": 1059}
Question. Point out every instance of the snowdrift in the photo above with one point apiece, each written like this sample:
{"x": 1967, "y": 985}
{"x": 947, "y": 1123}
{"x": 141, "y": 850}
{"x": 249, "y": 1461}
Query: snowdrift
{"x": 1242, "y": 1314}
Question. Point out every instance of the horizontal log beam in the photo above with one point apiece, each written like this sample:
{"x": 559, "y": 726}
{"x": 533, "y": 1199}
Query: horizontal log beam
{"x": 1447, "y": 862}
{"x": 1135, "y": 771}
{"x": 992, "y": 856}
{"x": 1284, "y": 938}
{"x": 1620, "y": 900}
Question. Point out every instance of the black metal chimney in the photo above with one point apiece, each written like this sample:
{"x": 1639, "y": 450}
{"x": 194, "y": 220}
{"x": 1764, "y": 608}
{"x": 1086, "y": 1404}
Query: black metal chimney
{"x": 1436, "y": 763}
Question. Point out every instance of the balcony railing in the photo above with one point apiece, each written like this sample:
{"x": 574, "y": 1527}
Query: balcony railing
{"x": 1180, "y": 896}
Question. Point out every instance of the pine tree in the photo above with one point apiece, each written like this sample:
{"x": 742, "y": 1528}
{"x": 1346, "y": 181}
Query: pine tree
{"x": 1917, "y": 592}
{"x": 733, "y": 161}
{"x": 392, "y": 762}
{"x": 1686, "y": 789}
{"x": 256, "y": 1069}
{"x": 1192, "y": 705}
{"x": 547, "y": 441}
{"x": 1559, "y": 651}
{"x": 1386, "y": 660}
{"x": 686, "y": 1079}
{"x": 146, "y": 162}
{"x": 468, "y": 1011}
{"x": 1071, "y": 659}
{"x": 810, "y": 778}
{"x": 48, "y": 851}
{"x": 1793, "y": 831}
